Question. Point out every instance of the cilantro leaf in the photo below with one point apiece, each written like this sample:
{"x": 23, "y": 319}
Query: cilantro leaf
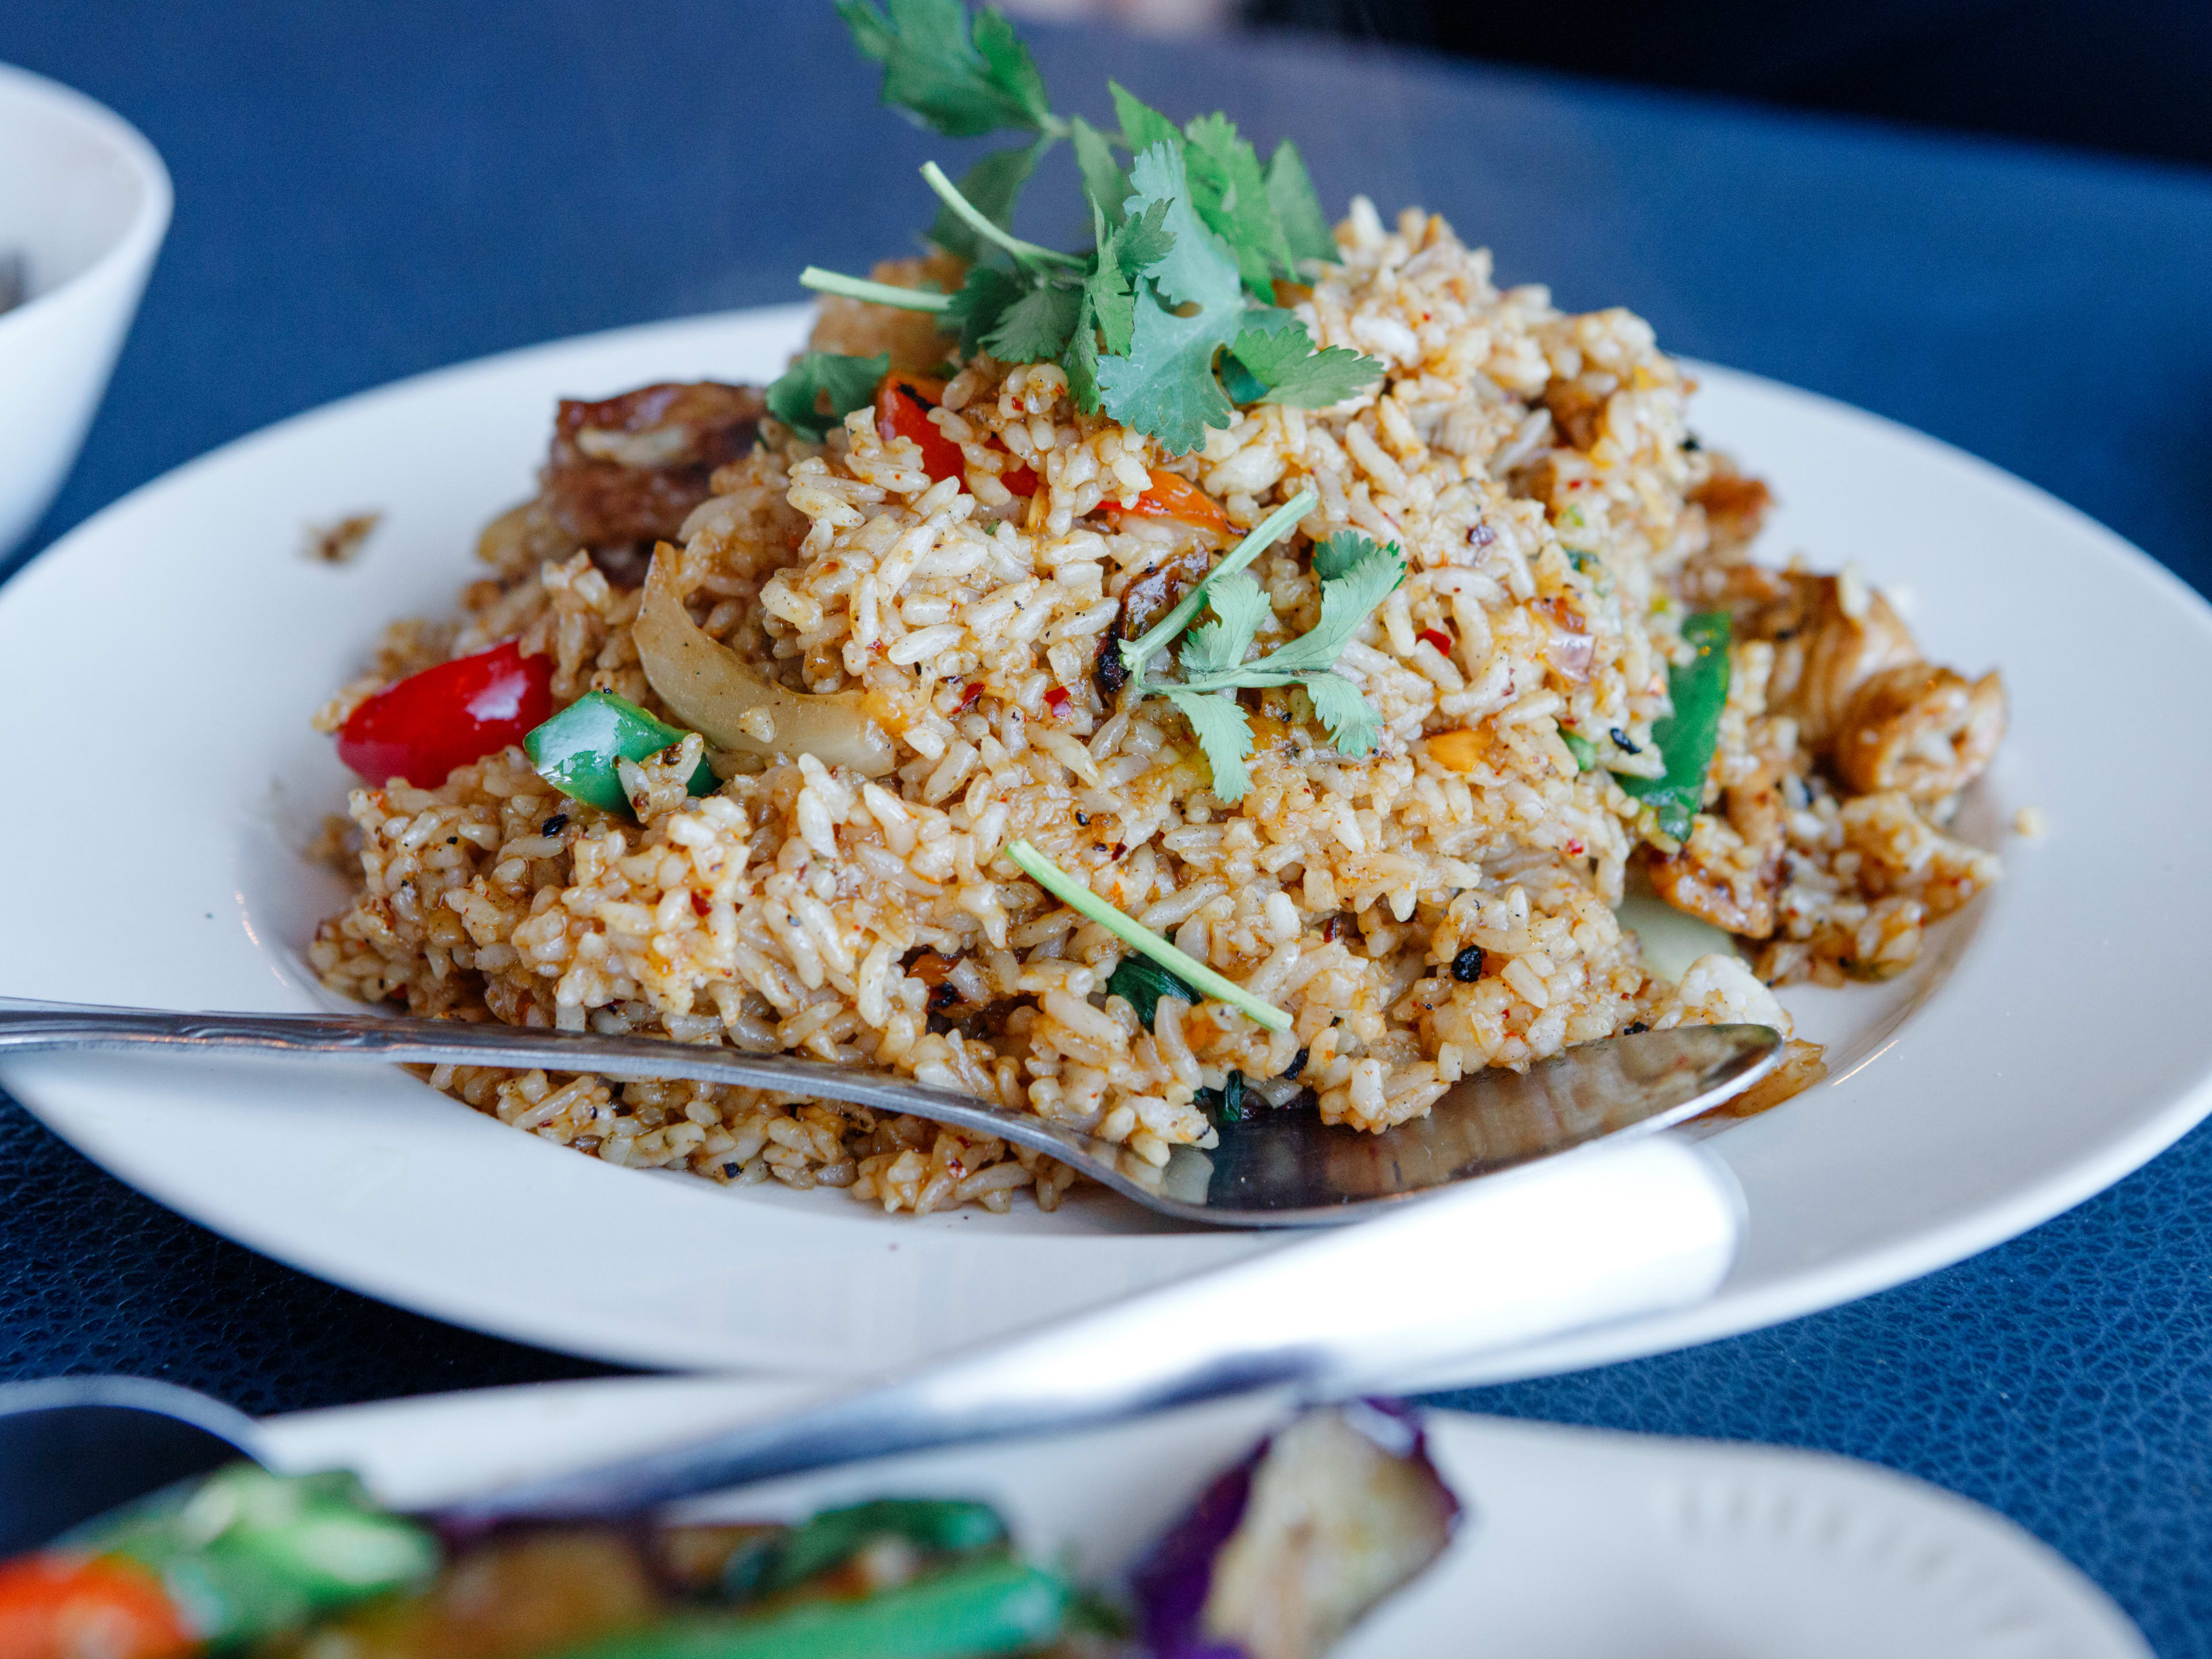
{"x": 991, "y": 185}
{"x": 1238, "y": 382}
{"x": 1164, "y": 384}
{"x": 1011, "y": 66}
{"x": 1223, "y": 732}
{"x": 1194, "y": 268}
{"x": 1104, "y": 181}
{"x": 849, "y": 383}
{"x": 1231, "y": 196}
{"x": 1035, "y": 327}
{"x": 1239, "y": 606}
{"x": 961, "y": 80}
{"x": 1142, "y": 982}
{"x": 1142, "y": 126}
{"x": 1352, "y": 724}
{"x": 1342, "y": 550}
{"x": 1357, "y": 576}
{"x": 1298, "y": 209}
{"x": 1107, "y": 308}
{"x": 983, "y": 300}
{"x": 1144, "y": 241}
{"x": 1287, "y": 369}
{"x": 1346, "y": 601}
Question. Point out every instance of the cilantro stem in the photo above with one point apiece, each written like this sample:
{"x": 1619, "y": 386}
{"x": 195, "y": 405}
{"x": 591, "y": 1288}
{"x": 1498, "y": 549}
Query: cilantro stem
{"x": 1064, "y": 887}
{"x": 1269, "y": 530}
{"x": 982, "y": 225}
{"x": 882, "y": 293}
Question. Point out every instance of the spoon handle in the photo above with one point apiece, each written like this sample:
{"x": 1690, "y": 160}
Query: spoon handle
{"x": 1592, "y": 1235}
{"x": 27, "y": 1027}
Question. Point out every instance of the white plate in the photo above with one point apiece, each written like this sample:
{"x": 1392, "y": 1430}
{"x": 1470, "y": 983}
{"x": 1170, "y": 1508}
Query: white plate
{"x": 1581, "y": 1545}
{"x": 157, "y": 668}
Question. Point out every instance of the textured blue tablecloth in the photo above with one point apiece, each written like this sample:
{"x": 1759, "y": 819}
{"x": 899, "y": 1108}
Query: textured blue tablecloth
{"x": 368, "y": 191}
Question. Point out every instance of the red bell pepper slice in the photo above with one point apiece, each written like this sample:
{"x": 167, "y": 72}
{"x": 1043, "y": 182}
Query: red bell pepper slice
{"x": 902, "y": 406}
{"x": 460, "y": 711}
{"x": 65, "y": 1607}
{"x": 1172, "y": 497}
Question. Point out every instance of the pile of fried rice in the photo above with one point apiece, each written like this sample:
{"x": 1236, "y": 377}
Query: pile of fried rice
{"x": 1559, "y": 521}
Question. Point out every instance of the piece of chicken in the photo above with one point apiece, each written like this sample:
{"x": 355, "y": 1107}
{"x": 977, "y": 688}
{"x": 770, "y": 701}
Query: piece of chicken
{"x": 1847, "y": 669}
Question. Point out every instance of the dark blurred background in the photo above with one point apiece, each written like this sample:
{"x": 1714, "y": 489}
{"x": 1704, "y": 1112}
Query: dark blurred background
{"x": 2133, "y": 76}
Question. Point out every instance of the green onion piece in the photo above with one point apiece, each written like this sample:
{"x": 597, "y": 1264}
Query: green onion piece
{"x": 1064, "y": 887}
{"x": 1699, "y": 689}
{"x": 950, "y": 1526}
{"x": 882, "y": 293}
{"x": 1583, "y": 751}
{"x": 1141, "y": 983}
{"x": 576, "y": 751}
{"x": 965, "y": 1612}
{"x": 1270, "y": 530}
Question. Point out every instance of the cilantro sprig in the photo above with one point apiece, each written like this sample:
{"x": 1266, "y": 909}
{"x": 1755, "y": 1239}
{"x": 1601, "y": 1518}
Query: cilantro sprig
{"x": 1361, "y": 575}
{"x": 1356, "y": 575}
{"x": 1169, "y": 322}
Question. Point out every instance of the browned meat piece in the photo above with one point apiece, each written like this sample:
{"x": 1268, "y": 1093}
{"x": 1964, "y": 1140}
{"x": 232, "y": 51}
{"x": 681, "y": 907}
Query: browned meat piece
{"x": 1735, "y": 504}
{"x": 1823, "y": 654}
{"x": 1859, "y": 689}
{"x": 1730, "y": 871}
{"x": 1920, "y": 730}
{"x": 1740, "y": 900}
{"x": 626, "y": 472}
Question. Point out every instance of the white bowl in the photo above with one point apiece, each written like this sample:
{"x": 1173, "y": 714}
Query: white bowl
{"x": 84, "y": 200}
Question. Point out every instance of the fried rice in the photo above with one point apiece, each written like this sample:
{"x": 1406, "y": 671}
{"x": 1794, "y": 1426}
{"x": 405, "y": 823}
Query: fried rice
{"x": 1560, "y": 521}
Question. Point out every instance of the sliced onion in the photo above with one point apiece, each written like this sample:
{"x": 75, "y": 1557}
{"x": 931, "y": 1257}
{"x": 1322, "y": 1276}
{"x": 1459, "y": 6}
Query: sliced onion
{"x": 711, "y": 689}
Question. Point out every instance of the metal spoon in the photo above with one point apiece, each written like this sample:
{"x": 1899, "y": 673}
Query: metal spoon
{"x": 1273, "y": 1167}
{"x": 1602, "y": 1234}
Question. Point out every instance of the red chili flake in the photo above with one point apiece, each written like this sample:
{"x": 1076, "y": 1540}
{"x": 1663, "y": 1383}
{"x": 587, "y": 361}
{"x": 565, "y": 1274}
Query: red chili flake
{"x": 1437, "y": 638}
{"x": 968, "y": 697}
{"x": 701, "y": 903}
{"x": 1574, "y": 849}
{"x": 1057, "y": 700}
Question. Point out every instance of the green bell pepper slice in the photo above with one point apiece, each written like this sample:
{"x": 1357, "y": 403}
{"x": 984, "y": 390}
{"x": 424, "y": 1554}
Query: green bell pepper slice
{"x": 1687, "y": 737}
{"x": 1583, "y": 751}
{"x": 968, "y": 1612}
{"x": 576, "y": 751}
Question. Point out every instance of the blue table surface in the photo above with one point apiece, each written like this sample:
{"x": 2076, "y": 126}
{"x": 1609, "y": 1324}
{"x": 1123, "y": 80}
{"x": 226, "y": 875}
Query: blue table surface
{"x": 365, "y": 191}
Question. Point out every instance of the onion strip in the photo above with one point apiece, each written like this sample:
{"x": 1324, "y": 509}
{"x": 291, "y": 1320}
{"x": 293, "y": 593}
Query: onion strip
{"x": 712, "y": 689}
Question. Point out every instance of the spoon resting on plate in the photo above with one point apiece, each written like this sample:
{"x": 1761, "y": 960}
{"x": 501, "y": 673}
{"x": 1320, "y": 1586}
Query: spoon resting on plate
{"x": 1275, "y": 1167}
